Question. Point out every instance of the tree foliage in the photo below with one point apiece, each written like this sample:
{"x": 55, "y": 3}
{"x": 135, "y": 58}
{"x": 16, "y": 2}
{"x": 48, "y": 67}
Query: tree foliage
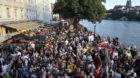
{"x": 132, "y": 15}
{"x": 91, "y": 10}
{"x": 118, "y": 14}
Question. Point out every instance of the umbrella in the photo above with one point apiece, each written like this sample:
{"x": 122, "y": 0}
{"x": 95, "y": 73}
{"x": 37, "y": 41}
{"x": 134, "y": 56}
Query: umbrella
{"x": 21, "y": 36}
{"x": 102, "y": 44}
{"x": 39, "y": 38}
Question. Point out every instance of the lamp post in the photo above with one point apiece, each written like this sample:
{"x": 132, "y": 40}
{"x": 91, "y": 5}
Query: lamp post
{"x": 94, "y": 30}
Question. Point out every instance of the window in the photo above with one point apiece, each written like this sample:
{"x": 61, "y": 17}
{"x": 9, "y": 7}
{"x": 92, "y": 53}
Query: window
{"x": 7, "y": 31}
{"x": 15, "y": 13}
{"x": 22, "y": 13}
{"x": 8, "y": 12}
{"x": 0, "y": 11}
{"x": 30, "y": 2}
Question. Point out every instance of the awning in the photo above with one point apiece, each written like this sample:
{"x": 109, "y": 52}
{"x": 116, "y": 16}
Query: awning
{"x": 23, "y": 26}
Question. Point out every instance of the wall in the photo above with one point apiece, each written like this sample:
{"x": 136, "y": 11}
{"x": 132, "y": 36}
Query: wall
{"x": 16, "y": 10}
{"x": 20, "y": 10}
{"x": 44, "y": 12}
{"x": 30, "y": 6}
{"x": 2, "y": 31}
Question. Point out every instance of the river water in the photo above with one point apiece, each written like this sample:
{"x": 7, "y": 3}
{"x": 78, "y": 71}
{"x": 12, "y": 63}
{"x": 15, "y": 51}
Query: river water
{"x": 127, "y": 31}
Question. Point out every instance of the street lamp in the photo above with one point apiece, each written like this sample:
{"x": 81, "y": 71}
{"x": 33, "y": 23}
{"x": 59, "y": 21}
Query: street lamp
{"x": 94, "y": 30}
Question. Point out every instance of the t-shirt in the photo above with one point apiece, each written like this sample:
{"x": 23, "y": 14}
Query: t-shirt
{"x": 85, "y": 50}
{"x": 24, "y": 71}
{"x": 116, "y": 75}
{"x": 91, "y": 38}
{"x": 89, "y": 58}
{"x": 70, "y": 68}
{"x": 115, "y": 54}
{"x": 66, "y": 42}
{"x": 92, "y": 67}
{"x": 98, "y": 72}
{"x": 129, "y": 55}
{"x": 5, "y": 68}
{"x": 50, "y": 68}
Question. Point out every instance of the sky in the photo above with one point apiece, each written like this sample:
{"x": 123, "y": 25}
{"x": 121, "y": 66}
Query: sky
{"x": 111, "y": 3}
{"x": 53, "y": 1}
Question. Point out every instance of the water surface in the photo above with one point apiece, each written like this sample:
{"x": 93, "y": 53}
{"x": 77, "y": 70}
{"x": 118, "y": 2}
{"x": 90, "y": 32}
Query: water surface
{"x": 127, "y": 31}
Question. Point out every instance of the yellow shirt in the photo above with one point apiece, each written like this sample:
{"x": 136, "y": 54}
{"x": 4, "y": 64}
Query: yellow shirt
{"x": 129, "y": 55}
{"x": 85, "y": 50}
{"x": 70, "y": 68}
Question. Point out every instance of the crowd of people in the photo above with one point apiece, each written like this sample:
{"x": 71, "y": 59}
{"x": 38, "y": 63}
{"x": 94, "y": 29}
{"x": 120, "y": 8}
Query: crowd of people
{"x": 68, "y": 52}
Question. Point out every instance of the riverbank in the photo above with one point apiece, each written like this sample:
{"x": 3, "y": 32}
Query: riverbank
{"x": 68, "y": 52}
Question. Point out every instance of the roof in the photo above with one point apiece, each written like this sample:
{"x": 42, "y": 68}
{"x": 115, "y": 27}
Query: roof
{"x": 22, "y": 25}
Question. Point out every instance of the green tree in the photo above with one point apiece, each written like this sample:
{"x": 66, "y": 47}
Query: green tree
{"x": 132, "y": 15}
{"x": 139, "y": 17}
{"x": 75, "y": 10}
{"x": 117, "y": 14}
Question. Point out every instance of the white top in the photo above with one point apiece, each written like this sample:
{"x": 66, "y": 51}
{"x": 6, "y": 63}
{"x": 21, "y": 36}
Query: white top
{"x": 5, "y": 68}
{"x": 66, "y": 42}
{"x": 115, "y": 54}
{"x": 91, "y": 38}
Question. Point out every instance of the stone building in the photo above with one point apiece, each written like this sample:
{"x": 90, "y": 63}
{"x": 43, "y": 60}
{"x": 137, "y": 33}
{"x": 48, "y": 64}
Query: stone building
{"x": 44, "y": 11}
{"x": 22, "y": 10}
{"x": 128, "y": 4}
{"x": 12, "y": 10}
{"x": 31, "y": 10}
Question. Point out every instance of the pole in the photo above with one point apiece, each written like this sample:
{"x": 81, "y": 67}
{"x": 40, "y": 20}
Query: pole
{"x": 94, "y": 30}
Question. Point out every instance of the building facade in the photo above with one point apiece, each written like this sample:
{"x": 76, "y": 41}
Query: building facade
{"x": 129, "y": 4}
{"x": 25, "y": 10}
{"x": 31, "y": 12}
{"x": 44, "y": 11}
{"x": 12, "y": 10}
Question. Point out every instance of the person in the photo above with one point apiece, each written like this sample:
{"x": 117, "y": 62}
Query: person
{"x": 98, "y": 71}
{"x": 131, "y": 73}
{"x": 81, "y": 75}
{"x": 5, "y": 68}
{"x": 0, "y": 68}
{"x": 115, "y": 54}
{"x": 114, "y": 74}
{"x": 91, "y": 75}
